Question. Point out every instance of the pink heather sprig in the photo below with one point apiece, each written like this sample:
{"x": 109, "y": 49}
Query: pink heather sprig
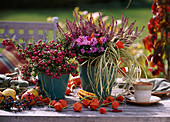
{"x": 85, "y": 27}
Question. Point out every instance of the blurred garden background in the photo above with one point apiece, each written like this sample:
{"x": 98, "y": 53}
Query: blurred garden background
{"x": 43, "y": 10}
{"x": 40, "y": 10}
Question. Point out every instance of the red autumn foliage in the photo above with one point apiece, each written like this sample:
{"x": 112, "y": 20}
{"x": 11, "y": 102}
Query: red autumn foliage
{"x": 115, "y": 104}
{"x": 85, "y": 103}
{"x": 158, "y": 39}
{"x": 155, "y": 72}
{"x": 161, "y": 67}
{"x": 154, "y": 8}
{"x": 77, "y": 107}
{"x": 102, "y": 110}
{"x": 58, "y": 106}
{"x": 148, "y": 43}
{"x": 63, "y": 102}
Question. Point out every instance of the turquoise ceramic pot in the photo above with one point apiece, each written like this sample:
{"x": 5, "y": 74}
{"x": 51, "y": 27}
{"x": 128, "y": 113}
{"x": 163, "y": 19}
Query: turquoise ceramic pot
{"x": 55, "y": 88}
{"x": 92, "y": 86}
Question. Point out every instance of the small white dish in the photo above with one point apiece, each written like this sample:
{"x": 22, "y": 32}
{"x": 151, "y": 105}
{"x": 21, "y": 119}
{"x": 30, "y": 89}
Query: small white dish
{"x": 153, "y": 99}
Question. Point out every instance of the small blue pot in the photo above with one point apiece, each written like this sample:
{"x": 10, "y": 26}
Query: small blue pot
{"x": 55, "y": 88}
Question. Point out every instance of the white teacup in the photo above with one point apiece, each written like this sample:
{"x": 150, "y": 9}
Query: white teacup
{"x": 143, "y": 91}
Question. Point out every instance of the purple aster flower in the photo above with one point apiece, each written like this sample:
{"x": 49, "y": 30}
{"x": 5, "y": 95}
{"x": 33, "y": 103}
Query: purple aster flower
{"x": 82, "y": 51}
{"x": 96, "y": 34}
{"x": 72, "y": 44}
{"x": 101, "y": 49}
{"x": 103, "y": 39}
{"x": 94, "y": 49}
{"x": 78, "y": 41}
{"x": 82, "y": 40}
{"x": 93, "y": 41}
{"x": 85, "y": 41}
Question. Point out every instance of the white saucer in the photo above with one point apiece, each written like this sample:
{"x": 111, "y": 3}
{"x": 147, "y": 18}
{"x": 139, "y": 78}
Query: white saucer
{"x": 153, "y": 99}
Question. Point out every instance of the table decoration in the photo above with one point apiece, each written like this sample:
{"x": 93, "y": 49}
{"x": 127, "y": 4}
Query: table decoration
{"x": 49, "y": 61}
{"x": 142, "y": 91}
{"x": 102, "y": 52}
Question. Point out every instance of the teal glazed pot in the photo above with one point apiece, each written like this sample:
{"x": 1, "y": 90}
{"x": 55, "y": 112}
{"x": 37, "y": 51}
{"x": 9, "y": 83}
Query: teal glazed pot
{"x": 91, "y": 86}
{"x": 55, "y": 88}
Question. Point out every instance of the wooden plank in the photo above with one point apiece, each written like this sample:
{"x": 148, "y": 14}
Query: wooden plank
{"x": 102, "y": 118}
{"x": 44, "y": 111}
{"x": 49, "y": 114}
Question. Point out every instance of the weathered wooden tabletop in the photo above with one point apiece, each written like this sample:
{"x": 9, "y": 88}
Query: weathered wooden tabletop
{"x": 159, "y": 112}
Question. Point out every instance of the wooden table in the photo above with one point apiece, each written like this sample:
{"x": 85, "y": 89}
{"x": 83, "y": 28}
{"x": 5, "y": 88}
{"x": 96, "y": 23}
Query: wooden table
{"x": 159, "y": 112}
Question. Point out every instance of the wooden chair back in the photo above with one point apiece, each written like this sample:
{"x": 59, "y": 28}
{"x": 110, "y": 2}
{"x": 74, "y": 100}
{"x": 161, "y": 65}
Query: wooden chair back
{"x": 28, "y": 30}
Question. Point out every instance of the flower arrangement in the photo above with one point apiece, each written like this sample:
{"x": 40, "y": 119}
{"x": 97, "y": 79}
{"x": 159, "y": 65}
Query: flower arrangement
{"x": 106, "y": 48}
{"x": 92, "y": 38}
{"x": 51, "y": 57}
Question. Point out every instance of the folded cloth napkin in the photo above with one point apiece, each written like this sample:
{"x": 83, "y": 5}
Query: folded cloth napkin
{"x": 160, "y": 85}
